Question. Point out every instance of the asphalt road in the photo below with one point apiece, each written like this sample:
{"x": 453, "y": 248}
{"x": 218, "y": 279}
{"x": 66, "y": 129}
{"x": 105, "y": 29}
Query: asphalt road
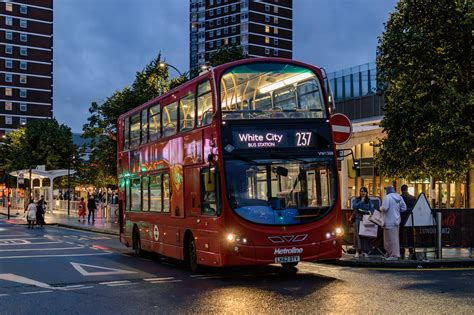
{"x": 56, "y": 270}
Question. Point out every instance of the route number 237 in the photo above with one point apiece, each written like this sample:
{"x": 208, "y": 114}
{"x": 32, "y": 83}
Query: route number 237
{"x": 303, "y": 139}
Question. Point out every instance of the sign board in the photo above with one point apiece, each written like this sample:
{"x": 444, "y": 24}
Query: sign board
{"x": 260, "y": 139}
{"x": 422, "y": 214}
{"x": 341, "y": 128}
{"x": 21, "y": 178}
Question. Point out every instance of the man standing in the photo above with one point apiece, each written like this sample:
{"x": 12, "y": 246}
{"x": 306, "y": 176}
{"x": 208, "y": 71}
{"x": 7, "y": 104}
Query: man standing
{"x": 410, "y": 202}
{"x": 91, "y": 206}
{"x": 40, "y": 210}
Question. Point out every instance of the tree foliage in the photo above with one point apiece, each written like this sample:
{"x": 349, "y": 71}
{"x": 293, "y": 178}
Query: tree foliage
{"x": 424, "y": 71}
{"x": 225, "y": 54}
{"x": 40, "y": 142}
{"x": 101, "y": 128}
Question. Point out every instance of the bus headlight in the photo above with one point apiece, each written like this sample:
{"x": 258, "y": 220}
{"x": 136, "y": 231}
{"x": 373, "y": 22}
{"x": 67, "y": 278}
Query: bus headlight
{"x": 230, "y": 237}
{"x": 339, "y": 231}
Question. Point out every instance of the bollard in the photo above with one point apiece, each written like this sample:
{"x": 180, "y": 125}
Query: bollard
{"x": 440, "y": 244}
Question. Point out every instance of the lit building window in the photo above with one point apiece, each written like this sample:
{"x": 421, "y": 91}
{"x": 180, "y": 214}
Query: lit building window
{"x": 8, "y": 7}
{"x": 23, "y": 120}
{"x": 275, "y": 20}
{"x": 275, "y": 30}
{"x": 8, "y": 92}
{"x": 275, "y": 9}
{"x": 8, "y": 106}
{"x": 267, "y": 29}
{"x": 267, "y": 40}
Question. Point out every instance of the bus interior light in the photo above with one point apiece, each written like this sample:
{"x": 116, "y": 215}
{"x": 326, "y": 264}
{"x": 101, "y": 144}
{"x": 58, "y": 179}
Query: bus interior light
{"x": 285, "y": 82}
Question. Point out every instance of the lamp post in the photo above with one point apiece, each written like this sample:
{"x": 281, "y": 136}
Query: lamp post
{"x": 69, "y": 186}
{"x": 165, "y": 64}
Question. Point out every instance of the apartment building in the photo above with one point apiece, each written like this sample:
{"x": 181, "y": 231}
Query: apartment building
{"x": 263, "y": 28}
{"x": 26, "y": 62}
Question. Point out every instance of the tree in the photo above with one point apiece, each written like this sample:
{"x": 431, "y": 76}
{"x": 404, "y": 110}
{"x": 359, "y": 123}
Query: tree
{"x": 225, "y": 54}
{"x": 424, "y": 71}
{"x": 40, "y": 142}
{"x": 101, "y": 128}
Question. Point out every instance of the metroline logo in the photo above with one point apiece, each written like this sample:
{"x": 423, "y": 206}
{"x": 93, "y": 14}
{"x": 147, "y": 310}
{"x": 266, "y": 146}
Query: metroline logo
{"x": 282, "y": 251}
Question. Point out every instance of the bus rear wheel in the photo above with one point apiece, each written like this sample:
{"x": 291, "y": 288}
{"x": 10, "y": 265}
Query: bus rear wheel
{"x": 192, "y": 254}
{"x": 137, "y": 245}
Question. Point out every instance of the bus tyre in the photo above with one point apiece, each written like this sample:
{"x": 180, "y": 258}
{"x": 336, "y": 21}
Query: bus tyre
{"x": 192, "y": 254}
{"x": 137, "y": 245}
{"x": 289, "y": 267}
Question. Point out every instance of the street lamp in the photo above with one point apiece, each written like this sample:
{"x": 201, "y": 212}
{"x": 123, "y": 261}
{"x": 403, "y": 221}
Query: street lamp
{"x": 164, "y": 64}
{"x": 69, "y": 186}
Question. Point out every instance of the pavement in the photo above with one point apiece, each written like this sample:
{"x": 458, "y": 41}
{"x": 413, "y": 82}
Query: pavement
{"x": 452, "y": 257}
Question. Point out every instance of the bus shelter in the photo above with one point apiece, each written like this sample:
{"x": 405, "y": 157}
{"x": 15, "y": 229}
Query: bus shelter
{"x": 41, "y": 175}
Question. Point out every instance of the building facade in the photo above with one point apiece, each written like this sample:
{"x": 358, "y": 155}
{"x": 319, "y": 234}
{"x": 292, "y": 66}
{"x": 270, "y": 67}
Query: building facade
{"x": 26, "y": 62}
{"x": 354, "y": 90}
{"x": 263, "y": 28}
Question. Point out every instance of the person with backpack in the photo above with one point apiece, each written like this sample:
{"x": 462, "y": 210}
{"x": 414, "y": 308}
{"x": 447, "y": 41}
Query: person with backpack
{"x": 391, "y": 208}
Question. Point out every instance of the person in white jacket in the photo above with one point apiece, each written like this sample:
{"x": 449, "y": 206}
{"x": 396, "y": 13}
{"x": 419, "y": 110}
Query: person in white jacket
{"x": 392, "y": 206}
{"x": 31, "y": 214}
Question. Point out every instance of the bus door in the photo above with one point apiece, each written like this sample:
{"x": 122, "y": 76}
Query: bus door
{"x": 192, "y": 199}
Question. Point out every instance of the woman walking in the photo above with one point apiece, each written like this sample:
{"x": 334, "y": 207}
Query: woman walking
{"x": 361, "y": 206}
{"x": 31, "y": 214}
{"x": 392, "y": 205}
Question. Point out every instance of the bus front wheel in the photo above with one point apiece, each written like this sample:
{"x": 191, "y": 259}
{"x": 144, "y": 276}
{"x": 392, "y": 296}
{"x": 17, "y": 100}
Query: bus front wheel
{"x": 289, "y": 267}
{"x": 137, "y": 245}
{"x": 192, "y": 254}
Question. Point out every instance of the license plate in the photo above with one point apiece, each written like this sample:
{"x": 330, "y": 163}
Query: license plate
{"x": 287, "y": 259}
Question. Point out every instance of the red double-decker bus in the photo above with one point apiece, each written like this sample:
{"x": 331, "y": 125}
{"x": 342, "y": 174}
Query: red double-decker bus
{"x": 234, "y": 167}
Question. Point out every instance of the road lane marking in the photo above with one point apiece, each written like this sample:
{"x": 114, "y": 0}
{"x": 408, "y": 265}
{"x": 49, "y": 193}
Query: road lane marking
{"x": 46, "y": 256}
{"x": 30, "y": 243}
{"x": 208, "y": 275}
{"x": 110, "y": 271}
{"x": 166, "y": 281}
{"x": 33, "y": 249}
{"x": 36, "y": 292}
{"x": 3, "y": 295}
{"x": 81, "y": 288}
{"x": 158, "y": 279}
{"x": 23, "y": 280}
{"x": 119, "y": 284}
{"x": 116, "y": 283}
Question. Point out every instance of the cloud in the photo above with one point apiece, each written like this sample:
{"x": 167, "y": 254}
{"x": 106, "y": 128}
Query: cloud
{"x": 100, "y": 45}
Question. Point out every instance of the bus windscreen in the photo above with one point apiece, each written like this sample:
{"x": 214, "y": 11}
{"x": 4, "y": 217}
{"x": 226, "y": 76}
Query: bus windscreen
{"x": 271, "y": 91}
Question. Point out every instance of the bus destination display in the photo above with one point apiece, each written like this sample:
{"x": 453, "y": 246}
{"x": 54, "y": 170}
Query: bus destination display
{"x": 273, "y": 139}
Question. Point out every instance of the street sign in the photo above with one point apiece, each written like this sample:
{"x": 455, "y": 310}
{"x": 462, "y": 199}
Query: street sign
{"x": 341, "y": 128}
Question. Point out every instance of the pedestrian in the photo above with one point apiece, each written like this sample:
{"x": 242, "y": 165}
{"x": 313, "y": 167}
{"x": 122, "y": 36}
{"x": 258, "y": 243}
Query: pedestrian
{"x": 31, "y": 214}
{"x": 91, "y": 206}
{"x": 392, "y": 206}
{"x": 40, "y": 210}
{"x": 361, "y": 206}
{"x": 410, "y": 202}
{"x": 81, "y": 211}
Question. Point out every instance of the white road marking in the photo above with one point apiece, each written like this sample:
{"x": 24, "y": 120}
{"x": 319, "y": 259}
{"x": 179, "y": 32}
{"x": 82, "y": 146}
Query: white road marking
{"x": 167, "y": 281}
{"x": 115, "y": 282}
{"x": 23, "y": 280}
{"x": 81, "y": 288}
{"x": 119, "y": 284}
{"x": 32, "y": 249}
{"x": 3, "y": 295}
{"x": 30, "y": 243}
{"x": 158, "y": 279}
{"x": 36, "y": 292}
{"x": 209, "y": 275}
{"x": 13, "y": 235}
{"x": 110, "y": 271}
{"x": 46, "y": 256}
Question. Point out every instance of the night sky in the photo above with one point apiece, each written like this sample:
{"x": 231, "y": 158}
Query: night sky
{"x": 100, "y": 44}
